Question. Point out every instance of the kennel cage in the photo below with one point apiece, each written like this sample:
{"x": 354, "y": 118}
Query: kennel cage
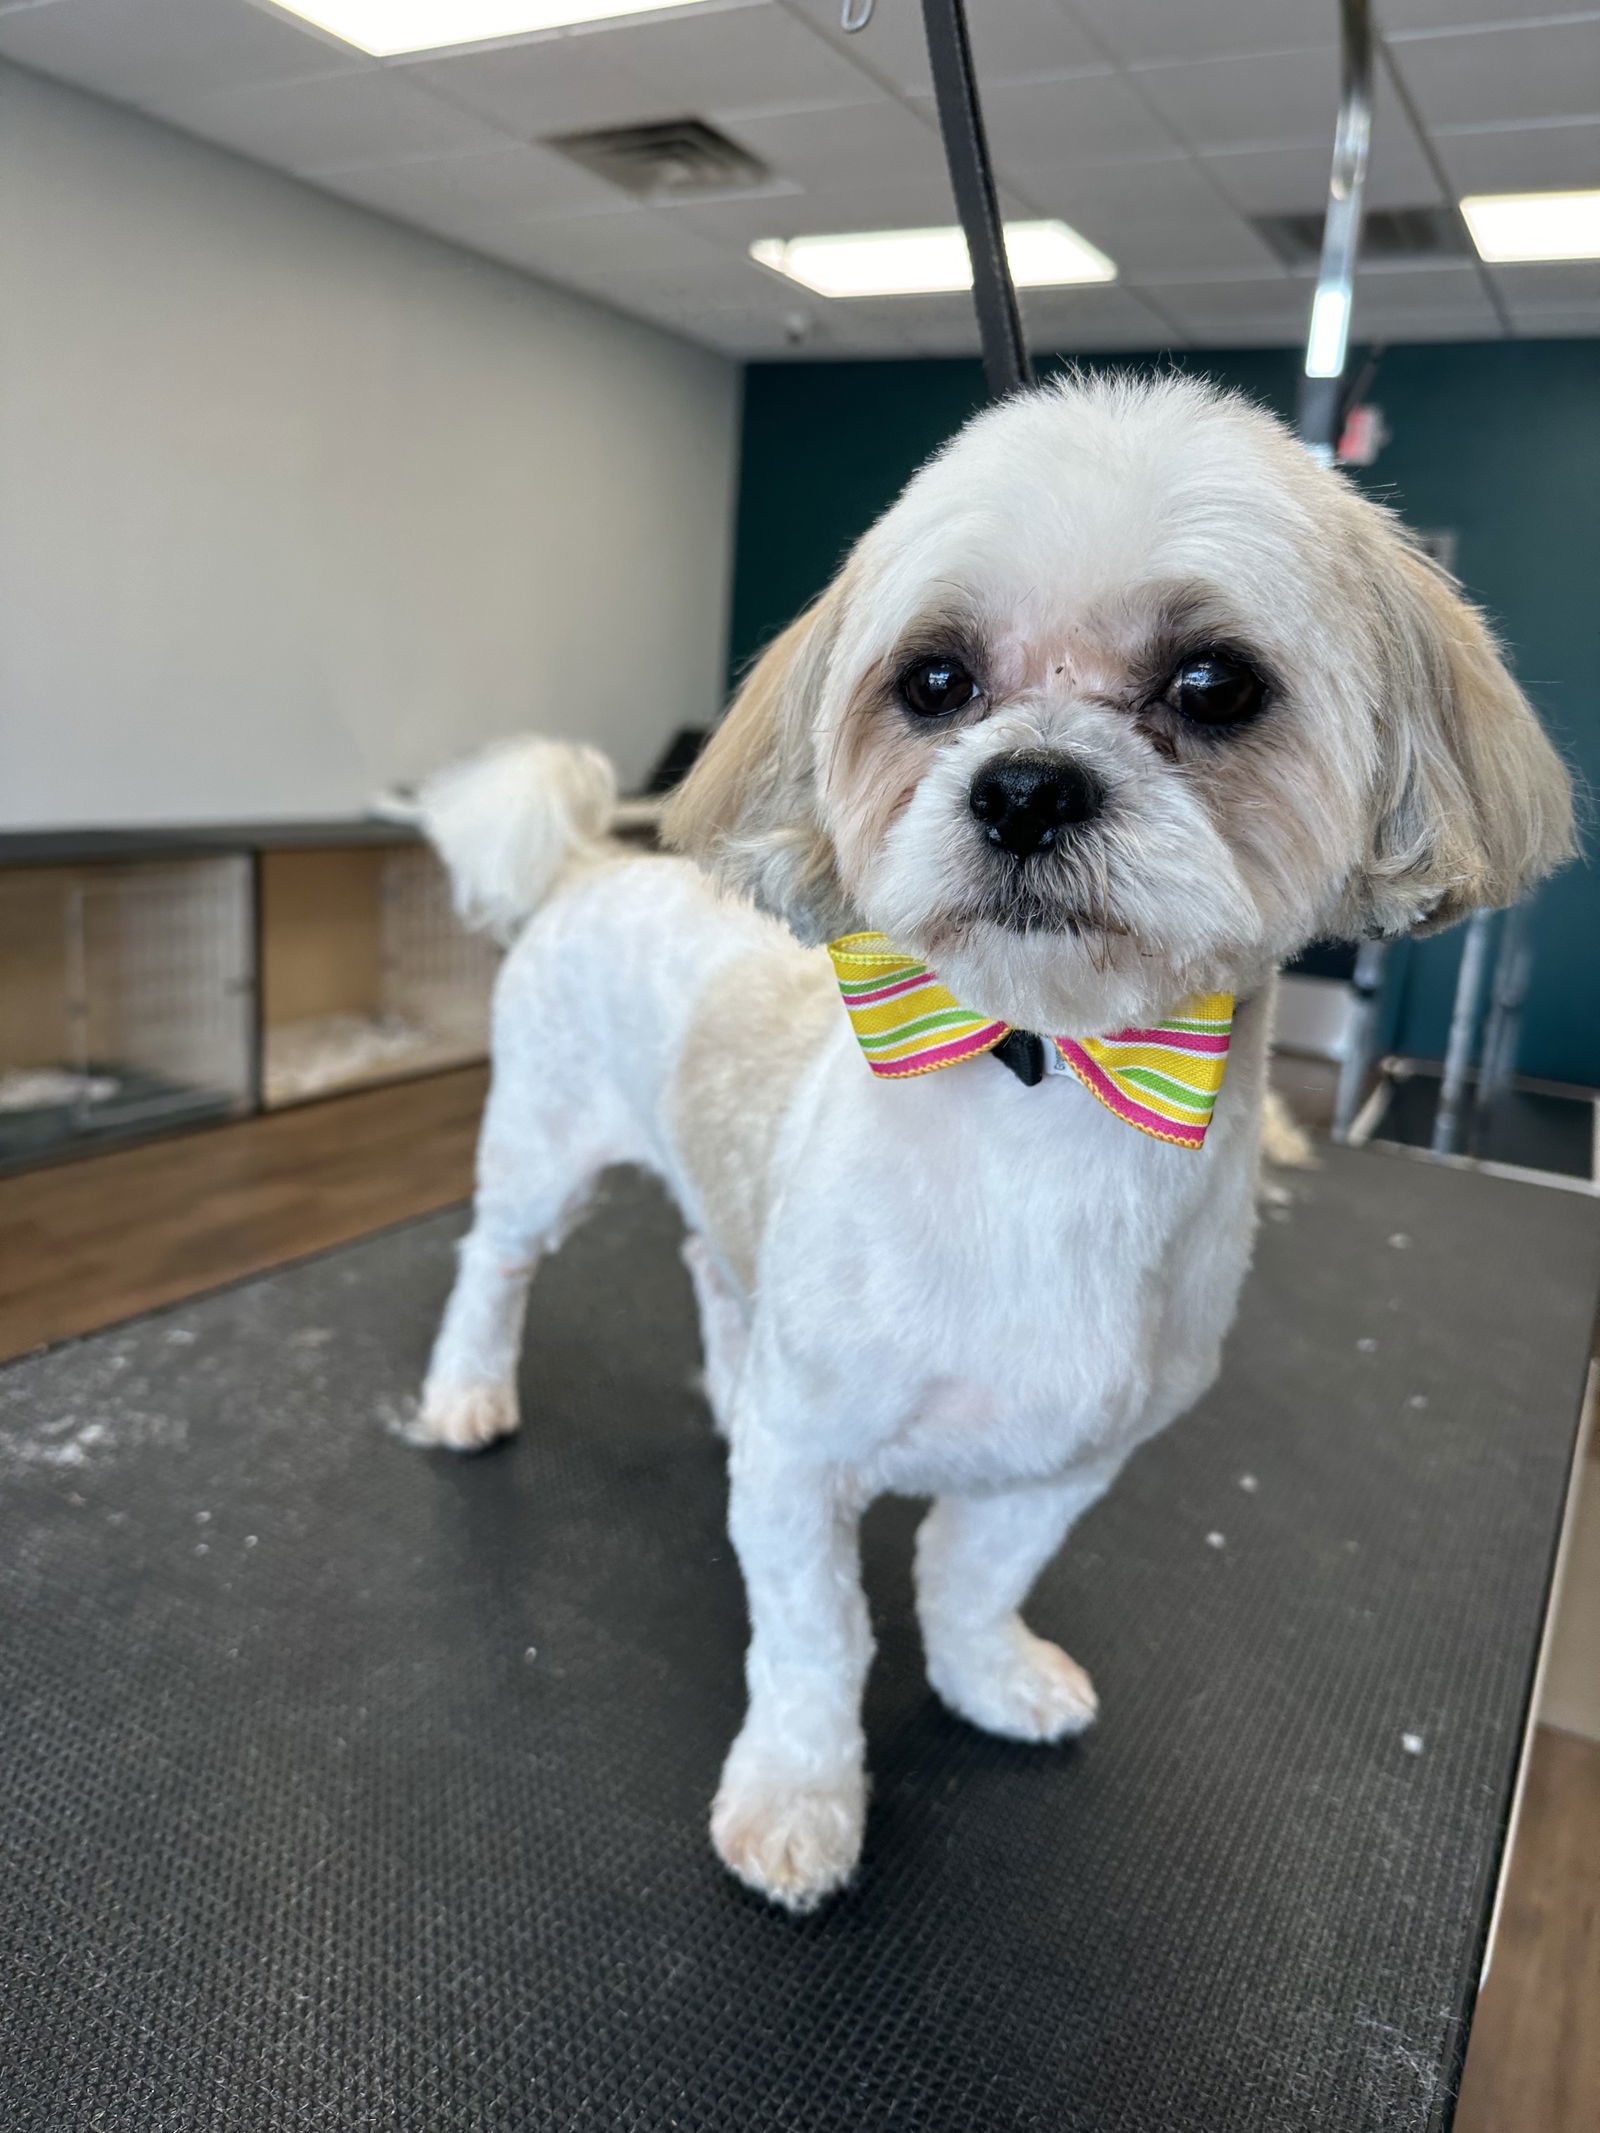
{"x": 126, "y": 999}
{"x": 156, "y": 979}
{"x": 366, "y": 973}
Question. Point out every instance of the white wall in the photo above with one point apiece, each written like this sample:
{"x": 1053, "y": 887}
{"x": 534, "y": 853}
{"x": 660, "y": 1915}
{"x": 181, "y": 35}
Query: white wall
{"x": 294, "y": 501}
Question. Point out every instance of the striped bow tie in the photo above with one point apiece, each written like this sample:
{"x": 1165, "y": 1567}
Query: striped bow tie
{"x": 1163, "y": 1080}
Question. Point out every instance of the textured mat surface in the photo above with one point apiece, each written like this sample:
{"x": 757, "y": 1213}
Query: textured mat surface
{"x": 348, "y": 1787}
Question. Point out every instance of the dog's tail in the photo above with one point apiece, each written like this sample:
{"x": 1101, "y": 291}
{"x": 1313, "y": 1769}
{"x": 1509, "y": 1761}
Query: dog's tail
{"x": 510, "y": 822}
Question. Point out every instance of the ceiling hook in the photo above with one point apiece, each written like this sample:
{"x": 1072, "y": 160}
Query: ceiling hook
{"x": 857, "y": 14}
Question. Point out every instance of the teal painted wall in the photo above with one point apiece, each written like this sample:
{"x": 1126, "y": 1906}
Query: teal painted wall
{"x": 1499, "y": 441}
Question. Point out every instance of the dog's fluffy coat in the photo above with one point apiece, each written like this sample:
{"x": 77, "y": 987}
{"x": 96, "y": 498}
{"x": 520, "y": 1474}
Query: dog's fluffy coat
{"x": 956, "y": 1285}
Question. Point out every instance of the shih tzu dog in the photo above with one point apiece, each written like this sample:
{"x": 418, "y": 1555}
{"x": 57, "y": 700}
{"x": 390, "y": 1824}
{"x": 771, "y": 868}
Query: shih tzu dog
{"x": 1124, "y": 701}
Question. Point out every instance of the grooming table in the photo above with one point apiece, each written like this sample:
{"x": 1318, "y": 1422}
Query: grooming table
{"x": 349, "y": 1787}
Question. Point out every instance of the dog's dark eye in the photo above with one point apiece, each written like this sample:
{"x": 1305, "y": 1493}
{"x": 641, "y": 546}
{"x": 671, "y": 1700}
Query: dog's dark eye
{"x": 935, "y": 686}
{"x": 1216, "y": 689}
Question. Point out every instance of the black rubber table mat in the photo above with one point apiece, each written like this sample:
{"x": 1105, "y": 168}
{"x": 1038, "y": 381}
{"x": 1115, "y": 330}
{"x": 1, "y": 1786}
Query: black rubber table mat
{"x": 349, "y": 1787}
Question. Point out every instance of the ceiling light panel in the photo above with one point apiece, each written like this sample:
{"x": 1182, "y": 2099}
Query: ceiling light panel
{"x": 384, "y": 27}
{"x": 926, "y": 262}
{"x": 1510, "y": 226}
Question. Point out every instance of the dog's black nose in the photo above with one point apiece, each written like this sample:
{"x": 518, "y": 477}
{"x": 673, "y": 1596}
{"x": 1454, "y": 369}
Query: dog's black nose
{"x": 1023, "y": 800}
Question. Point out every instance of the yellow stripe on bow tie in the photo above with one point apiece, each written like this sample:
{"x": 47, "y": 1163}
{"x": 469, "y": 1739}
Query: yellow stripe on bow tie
{"x": 904, "y": 1019}
{"x": 1164, "y": 1080}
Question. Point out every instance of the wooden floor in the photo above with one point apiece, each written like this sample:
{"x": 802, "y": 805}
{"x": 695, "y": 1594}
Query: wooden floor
{"x": 1533, "y": 2065}
{"x": 85, "y": 1244}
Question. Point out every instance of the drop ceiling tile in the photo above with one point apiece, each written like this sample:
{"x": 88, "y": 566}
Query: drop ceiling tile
{"x": 756, "y": 58}
{"x": 890, "y": 205}
{"x": 1155, "y": 184}
{"x": 1068, "y": 119}
{"x": 943, "y": 311}
{"x": 1500, "y": 76}
{"x": 1066, "y": 320}
{"x": 794, "y": 330}
{"x": 1518, "y": 159}
{"x": 939, "y": 343}
{"x": 866, "y": 322}
{"x": 1259, "y": 335}
{"x": 1263, "y": 99}
{"x": 1265, "y": 122}
{"x": 931, "y": 325}
{"x": 754, "y": 335}
{"x": 1438, "y": 276}
{"x": 157, "y": 50}
{"x": 1550, "y": 285}
{"x": 553, "y": 85}
{"x": 1139, "y": 30}
{"x": 1397, "y": 304}
{"x": 1011, "y": 40}
{"x": 1222, "y": 314}
{"x": 889, "y": 51}
{"x": 834, "y": 151}
{"x": 1153, "y": 219}
{"x": 1405, "y": 19}
{"x": 744, "y": 337}
{"x": 722, "y": 281}
{"x": 1534, "y": 323}
{"x": 1014, "y": 40}
{"x": 1426, "y": 287}
{"x": 593, "y": 251}
{"x": 1288, "y": 181}
{"x": 462, "y": 195}
{"x": 1112, "y": 316}
{"x": 336, "y": 122}
{"x": 1206, "y": 240}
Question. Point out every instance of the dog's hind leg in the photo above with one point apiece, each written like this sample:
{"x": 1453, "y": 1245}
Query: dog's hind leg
{"x": 537, "y": 1166}
{"x": 976, "y": 1558}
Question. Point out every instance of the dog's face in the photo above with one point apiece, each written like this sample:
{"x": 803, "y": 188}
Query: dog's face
{"x": 1125, "y": 699}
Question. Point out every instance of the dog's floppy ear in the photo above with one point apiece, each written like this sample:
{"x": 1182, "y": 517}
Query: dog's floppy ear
{"x": 1472, "y": 804}
{"x": 747, "y": 811}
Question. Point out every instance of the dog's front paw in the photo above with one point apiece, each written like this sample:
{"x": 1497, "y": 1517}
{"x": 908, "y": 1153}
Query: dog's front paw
{"x": 463, "y": 1418}
{"x": 1020, "y": 1686}
{"x": 792, "y": 1842}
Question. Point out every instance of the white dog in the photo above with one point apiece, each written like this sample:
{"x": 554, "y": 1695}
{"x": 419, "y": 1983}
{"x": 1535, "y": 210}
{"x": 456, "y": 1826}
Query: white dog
{"x": 1121, "y": 703}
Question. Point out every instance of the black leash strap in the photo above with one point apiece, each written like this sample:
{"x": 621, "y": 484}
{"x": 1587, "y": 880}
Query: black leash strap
{"x": 1005, "y": 353}
{"x": 966, "y": 149}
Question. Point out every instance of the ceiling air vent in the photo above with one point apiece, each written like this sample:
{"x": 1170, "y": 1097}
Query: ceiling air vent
{"x": 666, "y": 159}
{"x": 1388, "y": 233}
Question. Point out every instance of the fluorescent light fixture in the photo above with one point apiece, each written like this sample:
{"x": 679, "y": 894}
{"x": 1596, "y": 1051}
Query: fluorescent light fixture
{"x": 922, "y": 262}
{"x": 385, "y": 26}
{"x": 1330, "y": 324}
{"x": 1534, "y": 225}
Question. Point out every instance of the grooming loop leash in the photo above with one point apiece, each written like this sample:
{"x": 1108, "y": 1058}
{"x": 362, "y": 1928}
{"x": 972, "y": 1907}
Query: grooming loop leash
{"x": 966, "y": 150}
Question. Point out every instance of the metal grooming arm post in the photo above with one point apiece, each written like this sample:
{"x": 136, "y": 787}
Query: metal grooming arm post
{"x": 1498, "y": 1060}
{"x": 1321, "y": 407}
{"x": 1463, "y": 1029}
{"x": 1321, "y": 416}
